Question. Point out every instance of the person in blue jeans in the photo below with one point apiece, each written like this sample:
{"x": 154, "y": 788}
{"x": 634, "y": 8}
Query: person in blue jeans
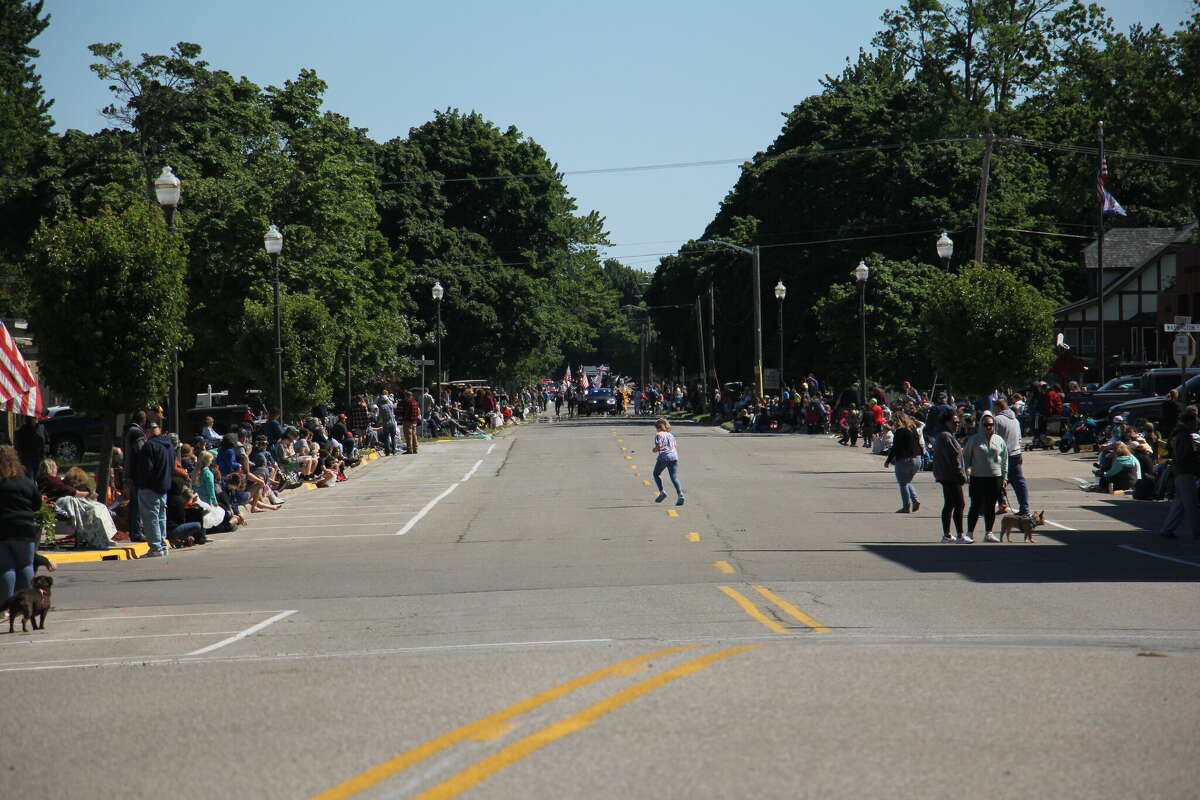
{"x": 907, "y": 455}
{"x": 19, "y": 501}
{"x": 668, "y": 459}
{"x": 156, "y": 467}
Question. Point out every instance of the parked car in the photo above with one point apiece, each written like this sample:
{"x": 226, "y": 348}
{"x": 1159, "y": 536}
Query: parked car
{"x": 1152, "y": 383}
{"x": 1150, "y": 408}
{"x": 224, "y": 419}
{"x": 597, "y": 401}
{"x": 71, "y": 434}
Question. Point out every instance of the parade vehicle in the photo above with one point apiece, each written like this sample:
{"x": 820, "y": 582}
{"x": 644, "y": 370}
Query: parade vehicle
{"x": 597, "y": 401}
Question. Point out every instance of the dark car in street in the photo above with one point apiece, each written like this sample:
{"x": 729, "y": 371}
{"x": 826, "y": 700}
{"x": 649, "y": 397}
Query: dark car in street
{"x": 1149, "y": 409}
{"x": 1150, "y": 384}
{"x": 72, "y": 433}
{"x": 597, "y": 401}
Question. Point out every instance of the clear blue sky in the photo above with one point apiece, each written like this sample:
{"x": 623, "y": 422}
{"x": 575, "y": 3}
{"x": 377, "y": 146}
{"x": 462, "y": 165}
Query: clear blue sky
{"x": 597, "y": 84}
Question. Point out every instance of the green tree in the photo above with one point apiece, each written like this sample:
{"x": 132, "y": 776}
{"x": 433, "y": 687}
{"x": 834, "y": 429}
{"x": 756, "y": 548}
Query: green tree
{"x": 310, "y": 348}
{"x": 108, "y": 310}
{"x": 897, "y": 343}
{"x": 24, "y": 140}
{"x": 988, "y": 328}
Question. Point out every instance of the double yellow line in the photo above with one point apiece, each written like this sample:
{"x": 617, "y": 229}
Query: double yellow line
{"x": 772, "y": 625}
{"x": 495, "y": 725}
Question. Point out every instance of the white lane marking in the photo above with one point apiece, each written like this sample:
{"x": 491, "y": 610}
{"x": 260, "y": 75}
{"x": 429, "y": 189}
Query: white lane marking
{"x": 112, "y": 638}
{"x": 156, "y": 616}
{"x": 1158, "y": 555}
{"x": 253, "y": 539}
{"x": 1059, "y": 525}
{"x": 428, "y": 507}
{"x": 144, "y": 662}
{"x": 253, "y": 629}
{"x": 467, "y": 477}
{"x": 490, "y": 449}
{"x": 322, "y": 525}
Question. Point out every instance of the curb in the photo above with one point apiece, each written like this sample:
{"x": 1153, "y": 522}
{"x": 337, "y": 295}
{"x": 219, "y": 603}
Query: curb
{"x": 118, "y": 552}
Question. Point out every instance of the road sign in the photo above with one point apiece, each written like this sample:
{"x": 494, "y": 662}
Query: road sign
{"x": 1176, "y": 327}
{"x": 1184, "y": 350}
{"x": 424, "y": 362}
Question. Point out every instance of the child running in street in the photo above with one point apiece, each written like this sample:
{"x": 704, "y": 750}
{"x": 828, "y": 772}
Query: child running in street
{"x": 668, "y": 459}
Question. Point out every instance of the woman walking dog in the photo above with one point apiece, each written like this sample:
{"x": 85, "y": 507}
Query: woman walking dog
{"x": 668, "y": 459}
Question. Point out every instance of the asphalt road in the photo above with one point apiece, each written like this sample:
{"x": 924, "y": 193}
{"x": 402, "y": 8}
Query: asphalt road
{"x": 518, "y": 618}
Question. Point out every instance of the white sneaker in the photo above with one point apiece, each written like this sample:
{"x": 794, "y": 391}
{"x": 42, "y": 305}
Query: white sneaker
{"x": 966, "y": 539}
{"x": 947, "y": 538}
{"x": 991, "y": 537}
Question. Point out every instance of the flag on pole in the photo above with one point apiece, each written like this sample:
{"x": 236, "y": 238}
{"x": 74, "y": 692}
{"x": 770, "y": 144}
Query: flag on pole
{"x": 19, "y": 391}
{"x": 1108, "y": 203}
{"x": 567, "y": 377}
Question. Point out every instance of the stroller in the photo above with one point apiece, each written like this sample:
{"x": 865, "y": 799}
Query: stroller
{"x": 1082, "y": 430}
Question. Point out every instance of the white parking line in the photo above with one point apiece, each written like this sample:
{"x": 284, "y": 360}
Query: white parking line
{"x": 113, "y": 638}
{"x": 321, "y": 525}
{"x": 157, "y": 616}
{"x": 248, "y": 632}
{"x": 1157, "y": 555}
{"x": 490, "y": 449}
{"x": 253, "y": 539}
{"x": 1059, "y": 525}
{"x": 408, "y": 526}
{"x": 467, "y": 477}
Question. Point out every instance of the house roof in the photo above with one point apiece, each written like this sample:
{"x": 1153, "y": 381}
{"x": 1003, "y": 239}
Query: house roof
{"x": 1129, "y": 248}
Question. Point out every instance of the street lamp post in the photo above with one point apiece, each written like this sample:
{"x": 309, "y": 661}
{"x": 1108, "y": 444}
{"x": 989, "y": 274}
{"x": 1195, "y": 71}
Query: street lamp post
{"x": 861, "y": 272}
{"x": 945, "y": 249}
{"x": 167, "y": 191}
{"x": 780, "y": 294}
{"x": 438, "y": 293}
{"x": 273, "y": 242}
{"x": 755, "y": 254}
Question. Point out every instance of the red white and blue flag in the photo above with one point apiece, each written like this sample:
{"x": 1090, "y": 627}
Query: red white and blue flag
{"x": 1109, "y": 204}
{"x": 19, "y": 390}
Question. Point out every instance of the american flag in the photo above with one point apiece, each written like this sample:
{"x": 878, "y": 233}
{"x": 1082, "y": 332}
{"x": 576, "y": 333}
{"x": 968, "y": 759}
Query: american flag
{"x": 19, "y": 390}
{"x": 1109, "y": 204}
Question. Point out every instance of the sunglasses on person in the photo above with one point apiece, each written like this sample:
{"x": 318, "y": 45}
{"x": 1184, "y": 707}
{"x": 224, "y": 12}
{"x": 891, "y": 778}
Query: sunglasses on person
{"x": 989, "y": 424}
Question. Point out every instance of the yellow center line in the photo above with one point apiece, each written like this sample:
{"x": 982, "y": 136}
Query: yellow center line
{"x": 629, "y": 458}
{"x": 724, "y": 566}
{"x": 693, "y": 536}
{"x": 752, "y": 609}
{"x": 671, "y": 512}
{"x": 795, "y": 613}
{"x": 646, "y": 482}
{"x": 633, "y": 466}
{"x": 480, "y": 771}
{"x": 482, "y": 727}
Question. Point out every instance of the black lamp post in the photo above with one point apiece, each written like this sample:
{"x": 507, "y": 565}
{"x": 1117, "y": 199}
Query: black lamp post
{"x": 861, "y": 273}
{"x": 167, "y": 191}
{"x": 273, "y": 242}
{"x": 438, "y": 294}
{"x": 780, "y": 294}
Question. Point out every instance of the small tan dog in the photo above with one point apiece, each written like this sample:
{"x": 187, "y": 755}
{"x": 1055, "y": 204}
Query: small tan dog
{"x": 1026, "y": 524}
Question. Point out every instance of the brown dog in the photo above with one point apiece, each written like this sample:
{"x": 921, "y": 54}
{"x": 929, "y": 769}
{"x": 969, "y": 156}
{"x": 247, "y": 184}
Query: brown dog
{"x": 30, "y": 604}
{"x": 1025, "y": 524}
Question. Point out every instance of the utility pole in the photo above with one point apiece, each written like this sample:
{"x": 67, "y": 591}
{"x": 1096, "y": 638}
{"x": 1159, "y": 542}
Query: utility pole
{"x": 712, "y": 332}
{"x": 1100, "y": 262}
{"x": 985, "y": 171}
{"x": 703, "y": 367}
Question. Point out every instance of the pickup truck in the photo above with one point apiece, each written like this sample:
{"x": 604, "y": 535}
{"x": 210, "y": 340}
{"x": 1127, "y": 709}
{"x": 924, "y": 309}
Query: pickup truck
{"x": 1150, "y": 384}
{"x": 1150, "y": 408}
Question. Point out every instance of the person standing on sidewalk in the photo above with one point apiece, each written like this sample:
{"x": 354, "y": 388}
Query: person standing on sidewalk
{"x": 948, "y": 471}
{"x": 907, "y": 455}
{"x": 668, "y": 459}
{"x": 986, "y": 458}
{"x": 410, "y": 417}
{"x": 1185, "y": 461}
{"x": 1009, "y": 427}
{"x": 135, "y": 439}
{"x": 387, "y": 418}
{"x": 156, "y": 467}
{"x": 19, "y": 501}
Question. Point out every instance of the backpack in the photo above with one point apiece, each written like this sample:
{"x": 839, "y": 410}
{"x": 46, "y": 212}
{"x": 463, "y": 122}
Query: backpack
{"x": 1144, "y": 489}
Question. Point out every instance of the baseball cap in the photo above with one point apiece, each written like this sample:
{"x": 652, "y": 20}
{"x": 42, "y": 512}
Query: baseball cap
{"x": 1118, "y": 419}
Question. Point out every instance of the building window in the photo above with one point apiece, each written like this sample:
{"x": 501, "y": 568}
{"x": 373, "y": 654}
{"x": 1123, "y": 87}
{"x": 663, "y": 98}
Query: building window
{"x": 1087, "y": 341}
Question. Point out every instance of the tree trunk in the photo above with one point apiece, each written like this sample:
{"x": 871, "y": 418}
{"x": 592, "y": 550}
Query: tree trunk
{"x": 104, "y": 469}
